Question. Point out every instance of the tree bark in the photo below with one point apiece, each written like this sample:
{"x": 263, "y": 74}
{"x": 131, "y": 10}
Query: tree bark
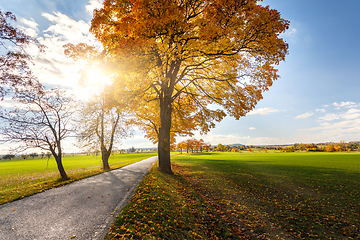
{"x": 58, "y": 159}
{"x": 164, "y": 135}
{"x": 105, "y": 158}
{"x": 104, "y": 152}
{"x": 61, "y": 169}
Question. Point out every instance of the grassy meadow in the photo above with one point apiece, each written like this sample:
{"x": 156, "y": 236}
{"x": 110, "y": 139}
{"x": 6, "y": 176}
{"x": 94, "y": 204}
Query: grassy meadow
{"x": 23, "y": 177}
{"x": 247, "y": 196}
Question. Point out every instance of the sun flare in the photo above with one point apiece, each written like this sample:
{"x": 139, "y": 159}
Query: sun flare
{"x": 92, "y": 82}
{"x": 96, "y": 78}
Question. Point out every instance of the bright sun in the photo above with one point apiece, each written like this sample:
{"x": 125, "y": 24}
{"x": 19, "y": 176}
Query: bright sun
{"x": 92, "y": 82}
{"x": 96, "y": 78}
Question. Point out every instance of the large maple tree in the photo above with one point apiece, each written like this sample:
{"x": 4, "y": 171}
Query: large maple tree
{"x": 177, "y": 58}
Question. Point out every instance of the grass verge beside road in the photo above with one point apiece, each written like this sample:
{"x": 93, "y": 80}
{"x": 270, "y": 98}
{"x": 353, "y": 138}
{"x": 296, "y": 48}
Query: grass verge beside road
{"x": 247, "y": 195}
{"x": 166, "y": 207}
{"x": 22, "y": 178}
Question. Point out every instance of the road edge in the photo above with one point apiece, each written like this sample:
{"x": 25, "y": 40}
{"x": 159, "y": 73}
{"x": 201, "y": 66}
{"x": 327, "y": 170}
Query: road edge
{"x": 100, "y": 235}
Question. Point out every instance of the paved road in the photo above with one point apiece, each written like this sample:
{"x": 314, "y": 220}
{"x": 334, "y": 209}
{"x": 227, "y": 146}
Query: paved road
{"x": 81, "y": 210}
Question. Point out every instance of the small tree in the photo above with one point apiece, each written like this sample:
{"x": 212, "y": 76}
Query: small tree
{"x": 222, "y": 148}
{"x": 207, "y": 147}
{"x": 189, "y": 145}
{"x": 8, "y": 156}
{"x": 33, "y": 155}
{"x": 311, "y": 147}
{"x": 100, "y": 128}
{"x": 200, "y": 144}
{"x": 338, "y": 148}
{"x": 352, "y": 146}
{"x": 302, "y": 147}
{"x": 41, "y": 121}
{"x": 330, "y": 148}
{"x": 181, "y": 146}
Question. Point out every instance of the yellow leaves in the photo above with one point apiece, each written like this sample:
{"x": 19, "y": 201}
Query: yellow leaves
{"x": 197, "y": 52}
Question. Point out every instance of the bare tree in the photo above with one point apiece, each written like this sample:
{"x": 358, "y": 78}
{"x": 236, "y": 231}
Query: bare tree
{"x": 101, "y": 128}
{"x": 14, "y": 65}
{"x": 41, "y": 119}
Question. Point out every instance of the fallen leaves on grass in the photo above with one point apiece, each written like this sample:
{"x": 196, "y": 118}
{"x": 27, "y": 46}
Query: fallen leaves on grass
{"x": 166, "y": 207}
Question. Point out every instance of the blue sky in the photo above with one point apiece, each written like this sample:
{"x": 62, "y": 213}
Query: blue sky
{"x": 315, "y": 100}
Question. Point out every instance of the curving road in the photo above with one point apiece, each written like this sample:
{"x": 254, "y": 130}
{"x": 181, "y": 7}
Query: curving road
{"x": 80, "y": 210}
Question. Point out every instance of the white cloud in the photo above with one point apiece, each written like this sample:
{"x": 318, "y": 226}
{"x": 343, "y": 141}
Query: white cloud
{"x": 263, "y": 111}
{"x": 67, "y": 29}
{"x": 52, "y": 67}
{"x": 336, "y": 126}
{"x": 291, "y": 32}
{"x": 252, "y": 128}
{"x": 329, "y": 117}
{"x": 93, "y": 4}
{"x": 352, "y": 114}
{"x": 347, "y": 130}
{"x": 30, "y": 23}
{"x": 30, "y": 27}
{"x": 305, "y": 115}
{"x": 344, "y": 104}
{"x": 321, "y": 110}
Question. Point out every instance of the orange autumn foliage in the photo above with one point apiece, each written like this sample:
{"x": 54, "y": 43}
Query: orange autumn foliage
{"x": 172, "y": 60}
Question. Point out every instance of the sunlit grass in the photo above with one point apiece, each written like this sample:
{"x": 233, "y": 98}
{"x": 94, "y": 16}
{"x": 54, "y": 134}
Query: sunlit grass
{"x": 291, "y": 195}
{"x": 21, "y": 178}
{"x": 248, "y": 196}
{"x": 166, "y": 207}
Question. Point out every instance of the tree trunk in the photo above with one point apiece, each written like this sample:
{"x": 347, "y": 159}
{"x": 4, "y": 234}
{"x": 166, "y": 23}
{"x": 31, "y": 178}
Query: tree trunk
{"x": 105, "y": 158}
{"x": 61, "y": 168}
{"x": 164, "y": 135}
{"x": 104, "y": 152}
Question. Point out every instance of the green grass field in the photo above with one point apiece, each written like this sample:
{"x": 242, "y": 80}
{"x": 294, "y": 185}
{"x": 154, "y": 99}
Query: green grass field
{"x": 21, "y": 178}
{"x": 248, "y": 195}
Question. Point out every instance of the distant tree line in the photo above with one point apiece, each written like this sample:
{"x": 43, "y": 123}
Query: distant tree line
{"x": 194, "y": 145}
{"x": 341, "y": 146}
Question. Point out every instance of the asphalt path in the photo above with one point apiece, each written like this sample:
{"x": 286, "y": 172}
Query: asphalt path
{"x": 80, "y": 210}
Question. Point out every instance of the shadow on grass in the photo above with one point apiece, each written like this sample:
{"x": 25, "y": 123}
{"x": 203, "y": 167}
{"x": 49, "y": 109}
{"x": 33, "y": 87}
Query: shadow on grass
{"x": 167, "y": 207}
{"x": 302, "y": 200}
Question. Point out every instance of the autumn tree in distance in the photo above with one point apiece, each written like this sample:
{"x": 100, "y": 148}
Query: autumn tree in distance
{"x": 190, "y": 52}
